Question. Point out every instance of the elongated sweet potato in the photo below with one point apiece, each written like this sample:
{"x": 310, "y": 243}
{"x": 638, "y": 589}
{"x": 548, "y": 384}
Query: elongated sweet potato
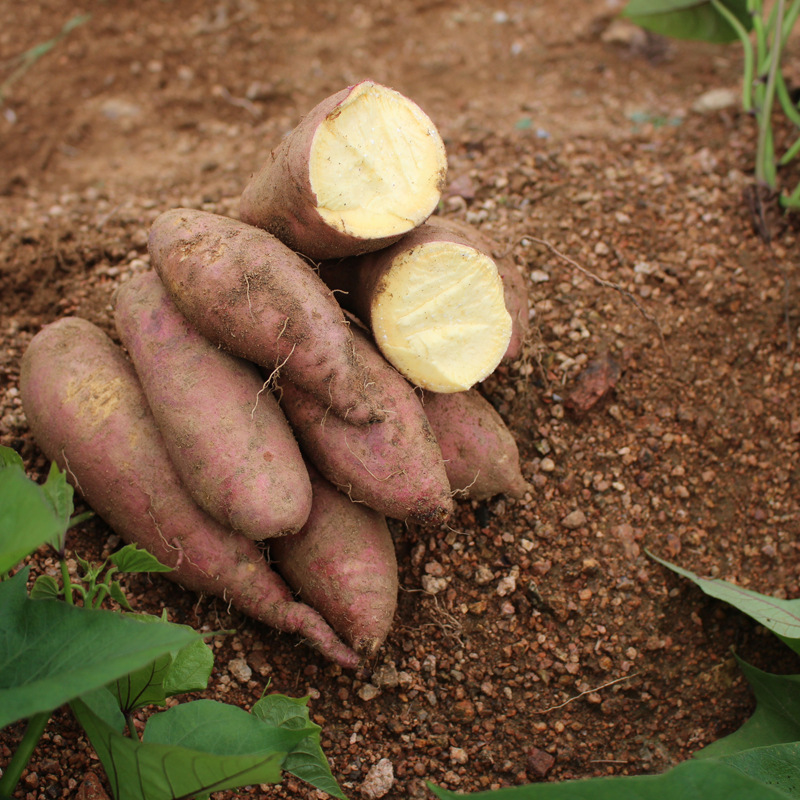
{"x": 248, "y": 293}
{"x": 515, "y": 291}
{"x": 481, "y": 456}
{"x": 343, "y": 564}
{"x": 88, "y": 413}
{"x": 434, "y": 303}
{"x": 228, "y": 438}
{"x": 365, "y": 166}
{"x": 394, "y": 466}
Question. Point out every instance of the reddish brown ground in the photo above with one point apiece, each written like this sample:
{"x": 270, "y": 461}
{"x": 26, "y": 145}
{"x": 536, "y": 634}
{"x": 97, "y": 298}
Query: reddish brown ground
{"x": 595, "y": 655}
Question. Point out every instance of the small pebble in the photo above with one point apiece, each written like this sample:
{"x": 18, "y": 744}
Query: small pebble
{"x": 240, "y": 670}
{"x": 368, "y": 692}
{"x": 574, "y": 520}
{"x": 379, "y": 780}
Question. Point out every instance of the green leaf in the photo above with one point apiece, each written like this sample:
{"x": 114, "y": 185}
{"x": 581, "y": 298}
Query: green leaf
{"x": 142, "y": 687}
{"x": 780, "y": 616}
{"x": 132, "y": 558}
{"x": 213, "y": 727}
{"x": 692, "y": 780}
{"x": 10, "y": 458}
{"x": 689, "y": 19}
{"x": 158, "y": 770}
{"x": 181, "y": 670}
{"x": 45, "y": 587}
{"x": 778, "y": 766}
{"x": 59, "y": 493}
{"x": 51, "y": 652}
{"x": 776, "y": 719}
{"x": 118, "y": 595}
{"x": 190, "y": 669}
{"x": 307, "y": 761}
{"x": 26, "y": 517}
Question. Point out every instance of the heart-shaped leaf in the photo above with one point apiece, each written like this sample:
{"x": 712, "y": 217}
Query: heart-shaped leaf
{"x": 166, "y": 766}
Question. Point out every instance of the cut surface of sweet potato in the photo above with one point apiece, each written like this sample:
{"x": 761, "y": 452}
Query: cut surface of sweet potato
{"x": 440, "y": 316}
{"x": 376, "y": 164}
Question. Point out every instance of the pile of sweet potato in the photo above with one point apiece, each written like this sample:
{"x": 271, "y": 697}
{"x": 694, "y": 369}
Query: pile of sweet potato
{"x": 254, "y": 414}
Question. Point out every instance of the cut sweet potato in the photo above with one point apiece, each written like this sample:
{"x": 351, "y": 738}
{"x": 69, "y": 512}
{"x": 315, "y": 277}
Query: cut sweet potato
{"x": 248, "y": 293}
{"x": 364, "y": 167}
{"x": 227, "y": 436}
{"x": 395, "y": 466}
{"x": 343, "y": 564}
{"x": 481, "y": 456}
{"x": 88, "y": 413}
{"x": 434, "y": 303}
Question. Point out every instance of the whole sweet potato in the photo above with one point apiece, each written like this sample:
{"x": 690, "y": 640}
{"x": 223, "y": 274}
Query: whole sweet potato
{"x": 248, "y": 293}
{"x": 481, "y": 456}
{"x": 88, "y": 413}
{"x": 227, "y": 436}
{"x": 343, "y": 564}
{"x": 364, "y": 166}
{"x": 394, "y": 466}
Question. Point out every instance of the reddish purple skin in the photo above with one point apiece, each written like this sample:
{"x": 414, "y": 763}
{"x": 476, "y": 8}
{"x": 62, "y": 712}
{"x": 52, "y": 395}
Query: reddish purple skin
{"x": 88, "y": 413}
{"x": 343, "y": 564}
{"x": 248, "y": 293}
{"x": 396, "y": 466}
{"x": 279, "y": 197}
{"x": 481, "y": 456}
{"x": 226, "y": 435}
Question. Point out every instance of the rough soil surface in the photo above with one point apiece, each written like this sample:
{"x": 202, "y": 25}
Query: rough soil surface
{"x": 534, "y": 639}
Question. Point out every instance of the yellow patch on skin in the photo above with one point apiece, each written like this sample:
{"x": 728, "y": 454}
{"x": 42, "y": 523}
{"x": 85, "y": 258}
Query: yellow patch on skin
{"x": 440, "y": 317}
{"x": 376, "y": 164}
{"x": 98, "y": 396}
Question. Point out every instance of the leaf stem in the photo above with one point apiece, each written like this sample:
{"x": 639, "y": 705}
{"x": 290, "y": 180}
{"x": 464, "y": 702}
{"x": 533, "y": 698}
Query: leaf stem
{"x": 67, "y": 581}
{"x": 765, "y": 167}
{"x": 749, "y": 57}
{"x": 22, "y": 755}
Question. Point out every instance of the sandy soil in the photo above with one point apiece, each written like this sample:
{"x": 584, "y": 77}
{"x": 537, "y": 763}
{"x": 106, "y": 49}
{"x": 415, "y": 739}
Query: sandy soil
{"x": 554, "y": 647}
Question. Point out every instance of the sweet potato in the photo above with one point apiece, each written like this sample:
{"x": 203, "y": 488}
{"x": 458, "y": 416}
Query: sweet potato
{"x": 395, "y": 466}
{"x": 481, "y": 456}
{"x": 343, "y": 564}
{"x": 248, "y": 293}
{"x": 87, "y": 412}
{"x": 515, "y": 291}
{"x": 227, "y": 437}
{"x": 434, "y": 303}
{"x": 365, "y": 166}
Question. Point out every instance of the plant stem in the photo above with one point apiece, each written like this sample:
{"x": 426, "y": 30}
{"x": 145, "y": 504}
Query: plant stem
{"x": 747, "y": 48}
{"x": 22, "y": 755}
{"x": 67, "y": 581}
{"x": 765, "y": 167}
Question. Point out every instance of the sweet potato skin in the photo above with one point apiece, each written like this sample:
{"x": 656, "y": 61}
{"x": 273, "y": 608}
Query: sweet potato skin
{"x": 88, "y": 413}
{"x": 343, "y": 564}
{"x": 395, "y": 466}
{"x": 481, "y": 456}
{"x": 248, "y": 293}
{"x": 226, "y": 435}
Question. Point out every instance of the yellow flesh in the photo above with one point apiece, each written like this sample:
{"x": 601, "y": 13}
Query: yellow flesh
{"x": 377, "y": 164}
{"x": 440, "y": 318}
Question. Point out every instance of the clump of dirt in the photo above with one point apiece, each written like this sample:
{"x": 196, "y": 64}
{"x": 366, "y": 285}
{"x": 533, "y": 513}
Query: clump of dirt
{"x": 550, "y": 646}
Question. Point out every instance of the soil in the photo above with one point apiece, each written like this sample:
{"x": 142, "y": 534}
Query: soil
{"x": 551, "y": 646}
